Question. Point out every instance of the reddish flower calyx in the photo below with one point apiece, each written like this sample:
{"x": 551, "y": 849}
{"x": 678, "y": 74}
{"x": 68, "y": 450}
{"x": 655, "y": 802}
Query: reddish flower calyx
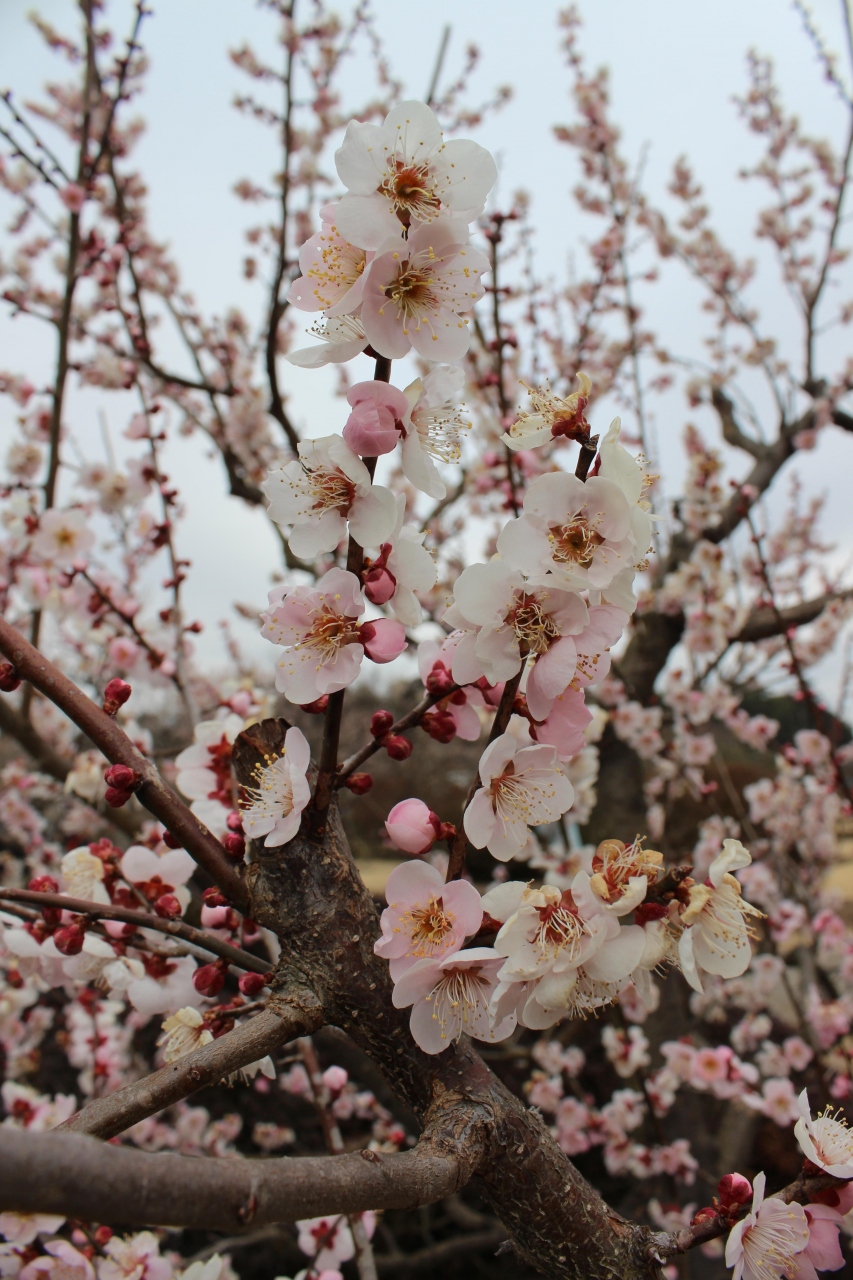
{"x": 252, "y": 984}
{"x": 733, "y": 1191}
{"x": 210, "y": 978}
{"x": 648, "y": 911}
{"x": 318, "y": 706}
{"x": 359, "y": 783}
{"x": 121, "y": 782}
{"x": 9, "y": 678}
{"x": 213, "y": 898}
{"x": 116, "y": 695}
{"x": 380, "y": 723}
{"x": 439, "y": 681}
{"x": 168, "y": 906}
{"x": 43, "y": 884}
{"x": 69, "y": 939}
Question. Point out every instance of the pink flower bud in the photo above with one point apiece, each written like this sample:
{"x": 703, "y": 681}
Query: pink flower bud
{"x": 439, "y": 681}
{"x": 335, "y": 1078}
{"x": 43, "y": 884}
{"x": 234, "y": 822}
{"x": 398, "y": 747}
{"x": 252, "y": 984}
{"x": 412, "y": 826}
{"x": 69, "y": 940}
{"x": 440, "y": 725}
{"x": 9, "y": 678}
{"x": 359, "y": 783}
{"x": 733, "y": 1191}
{"x": 210, "y": 978}
{"x": 383, "y": 640}
{"x": 121, "y": 777}
{"x": 116, "y": 695}
{"x": 380, "y": 723}
{"x": 371, "y": 428}
{"x": 379, "y": 585}
{"x": 318, "y": 706}
{"x": 73, "y": 197}
{"x": 212, "y": 897}
{"x": 172, "y": 842}
{"x": 168, "y": 906}
{"x": 234, "y": 845}
{"x": 116, "y": 797}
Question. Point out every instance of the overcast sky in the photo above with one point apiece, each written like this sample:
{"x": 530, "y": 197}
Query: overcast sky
{"x": 675, "y": 66}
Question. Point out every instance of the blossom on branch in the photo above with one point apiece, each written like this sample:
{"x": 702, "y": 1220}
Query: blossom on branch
{"x": 273, "y": 806}
{"x": 452, "y": 996}
{"x": 433, "y": 427}
{"x": 204, "y": 771}
{"x": 425, "y": 919}
{"x": 772, "y": 1233}
{"x": 332, "y": 269}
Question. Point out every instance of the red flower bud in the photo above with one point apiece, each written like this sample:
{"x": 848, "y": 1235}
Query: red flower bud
{"x": 733, "y": 1191}
{"x": 359, "y": 783}
{"x": 103, "y": 1235}
{"x": 440, "y": 726}
{"x": 9, "y": 678}
{"x": 69, "y": 940}
{"x": 234, "y": 845}
{"x": 210, "y": 978}
{"x": 213, "y": 898}
{"x": 379, "y": 585}
{"x": 708, "y": 1214}
{"x": 647, "y": 911}
{"x": 380, "y": 723}
{"x": 398, "y": 747}
{"x": 167, "y": 906}
{"x": 121, "y": 777}
{"x": 116, "y": 695}
{"x": 252, "y": 984}
{"x": 116, "y": 797}
{"x": 440, "y": 681}
{"x": 43, "y": 884}
{"x": 318, "y": 706}
{"x": 172, "y": 842}
{"x": 234, "y": 822}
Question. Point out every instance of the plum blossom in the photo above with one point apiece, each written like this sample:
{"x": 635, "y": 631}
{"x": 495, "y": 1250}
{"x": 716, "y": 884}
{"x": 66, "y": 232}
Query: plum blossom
{"x": 523, "y": 786}
{"x": 621, "y": 469}
{"x": 402, "y": 568}
{"x": 572, "y": 533}
{"x": 183, "y": 1032}
{"x": 22, "y": 1228}
{"x": 279, "y": 794}
{"x": 204, "y": 771}
{"x": 827, "y": 1141}
{"x": 339, "y": 338}
{"x": 63, "y": 1261}
{"x": 155, "y": 874}
{"x": 171, "y": 990}
{"x": 402, "y": 173}
{"x": 418, "y": 294}
{"x": 508, "y": 620}
{"x": 412, "y": 826}
{"x": 327, "y": 487}
{"x": 328, "y": 1241}
{"x": 374, "y": 426}
{"x": 134, "y": 1258}
{"x": 323, "y": 642}
{"x": 823, "y": 1251}
{"x": 63, "y": 536}
{"x": 452, "y": 996}
{"x": 716, "y": 936}
{"x": 425, "y": 919}
{"x": 767, "y": 1241}
{"x": 332, "y": 269}
{"x": 553, "y": 416}
{"x": 83, "y": 876}
{"x": 433, "y": 427}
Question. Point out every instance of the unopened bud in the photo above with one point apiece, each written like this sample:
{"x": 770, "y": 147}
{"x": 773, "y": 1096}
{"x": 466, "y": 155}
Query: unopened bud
{"x": 648, "y": 911}
{"x": 213, "y": 898}
{"x": 252, "y": 984}
{"x": 398, "y": 747}
{"x": 116, "y": 695}
{"x": 379, "y": 585}
{"x": 116, "y": 797}
{"x": 234, "y": 845}
{"x": 708, "y": 1214}
{"x": 234, "y": 823}
{"x": 440, "y": 681}
{"x": 380, "y": 723}
{"x": 121, "y": 776}
{"x": 9, "y": 678}
{"x": 210, "y": 978}
{"x": 733, "y": 1191}
{"x": 359, "y": 783}
{"x": 318, "y": 706}
{"x": 102, "y": 1236}
{"x": 69, "y": 940}
{"x": 43, "y": 884}
{"x": 172, "y": 842}
{"x": 167, "y": 906}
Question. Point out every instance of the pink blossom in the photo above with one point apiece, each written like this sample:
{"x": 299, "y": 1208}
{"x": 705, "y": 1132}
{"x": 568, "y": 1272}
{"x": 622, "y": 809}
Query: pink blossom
{"x": 450, "y": 996}
{"x": 384, "y": 639}
{"x": 318, "y": 629}
{"x": 63, "y": 1259}
{"x": 328, "y": 1241}
{"x": 827, "y": 1141}
{"x": 425, "y": 919}
{"x": 136, "y": 1258}
{"x": 22, "y": 1228}
{"x": 333, "y": 271}
{"x": 563, "y": 727}
{"x": 204, "y": 771}
{"x": 433, "y": 427}
{"x": 823, "y": 1250}
{"x": 772, "y": 1229}
{"x": 412, "y": 826}
{"x": 373, "y": 426}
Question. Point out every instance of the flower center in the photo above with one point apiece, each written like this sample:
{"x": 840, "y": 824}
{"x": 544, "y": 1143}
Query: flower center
{"x": 833, "y": 1139}
{"x": 430, "y": 926}
{"x": 534, "y": 627}
{"x": 407, "y": 186}
{"x": 328, "y": 633}
{"x": 438, "y": 430}
{"x": 412, "y": 292}
{"x": 574, "y": 543}
{"x": 331, "y": 490}
{"x": 457, "y": 995}
{"x": 560, "y": 927}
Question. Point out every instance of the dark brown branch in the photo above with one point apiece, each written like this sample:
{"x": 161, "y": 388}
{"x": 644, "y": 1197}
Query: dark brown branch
{"x": 766, "y": 622}
{"x": 283, "y": 1020}
{"x": 145, "y": 920}
{"x": 732, "y": 433}
{"x": 155, "y": 794}
{"x": 80, "y": 1177}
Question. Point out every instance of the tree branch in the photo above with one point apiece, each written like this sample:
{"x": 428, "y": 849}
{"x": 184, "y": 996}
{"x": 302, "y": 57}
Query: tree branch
{"x": 407, "y": 721}
{"x": 286, "y": 1017}
{"x": 78, "y": 1176}
{"x": 145, "y": 920}
{"x": 155, "y": 794}
{"x": 766, "y": 622}
{"x": 732, "y": 433}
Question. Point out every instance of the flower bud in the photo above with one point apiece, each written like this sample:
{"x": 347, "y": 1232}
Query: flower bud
{"x": 234, "y": 822}
{"x": 69, "y": 939}
{"x": 412, "y": 826}
{"x": 359, "y": 783}
{"x": 116, "y": 695}
{"x": 234, "y": 846}
{"x": 398, "y": 747}
{"x": 168, "y": 906}
{"x": 335, "y": 1079}
{"x": 213, "y": 898}
{"x": 318, "y": 706}
{"x": 707, "y": 1214}
{"x": 252, "y": 984}
{"x": 733, "y": 1191}
{"x": 43, "y": 884}
{"x": 440, "y": 681}
{"x": 383, "y": 639}
{"x": 371, "y": 428}
{"x": 440, "y": 726}
{"x": 116, "y": 797}
{"x": 380, "y": 723}
{"x": 379, "y": 585}
{"x": 172, "y": 842}
{"x": 210, "y": 978}
{"x": 648, "y": 911}
{"x": 9, "y": 678}
{"x": 102, "y": 1236}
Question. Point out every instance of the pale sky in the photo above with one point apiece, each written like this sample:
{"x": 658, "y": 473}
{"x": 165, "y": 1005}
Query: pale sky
{"x": 675, "y": 65}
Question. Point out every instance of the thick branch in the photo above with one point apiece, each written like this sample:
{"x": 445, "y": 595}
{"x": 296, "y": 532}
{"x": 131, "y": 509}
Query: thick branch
{"x": 766, "y": 622}
{"x": 732, "y": 432}
{"x": 145, "y": 920}
{"x": 284, "y": 1020}
{"x": 155, "y": 794}
{"x": 82, "y": 1178}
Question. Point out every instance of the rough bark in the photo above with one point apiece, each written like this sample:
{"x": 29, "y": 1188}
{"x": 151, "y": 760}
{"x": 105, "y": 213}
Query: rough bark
{"x": 310, "y": 893}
